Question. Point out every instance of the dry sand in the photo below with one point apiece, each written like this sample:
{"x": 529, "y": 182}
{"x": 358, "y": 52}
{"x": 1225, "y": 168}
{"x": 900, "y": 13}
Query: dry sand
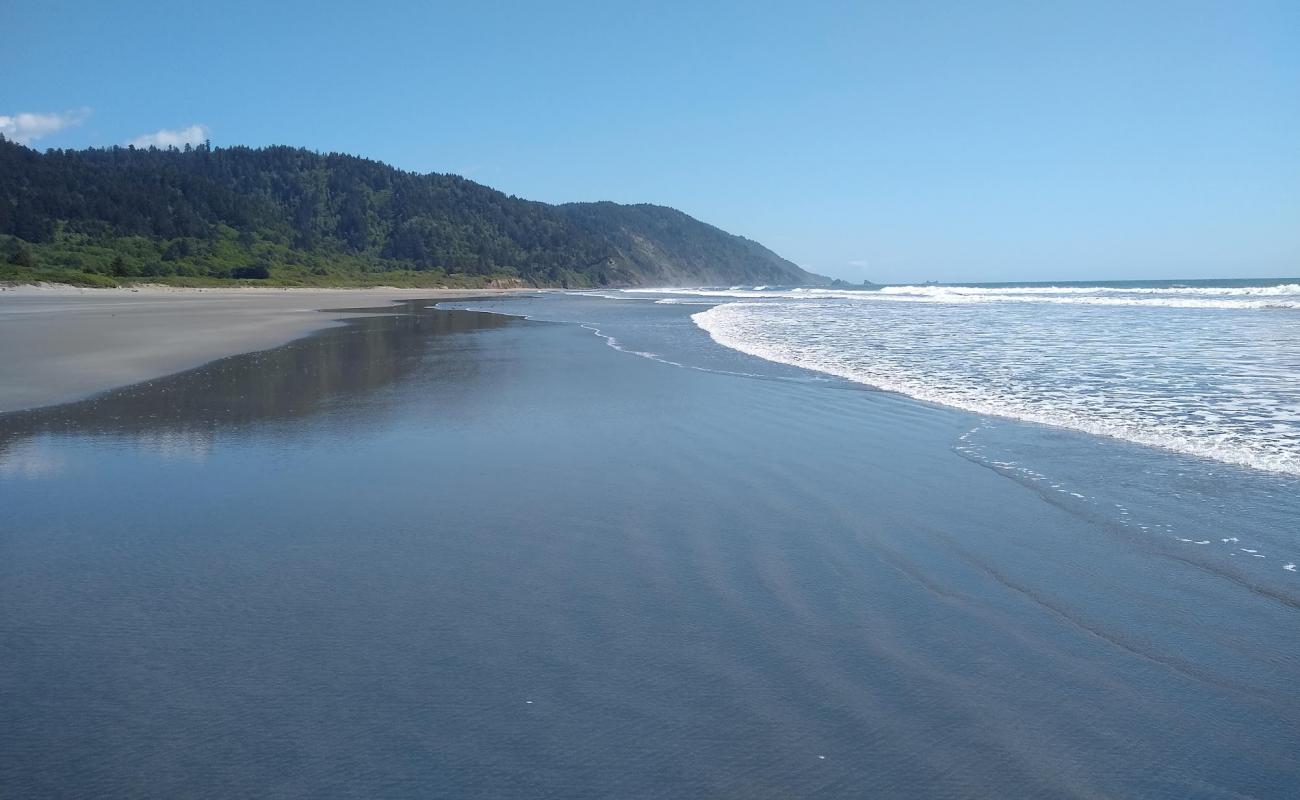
{"x": 59, "y": 344}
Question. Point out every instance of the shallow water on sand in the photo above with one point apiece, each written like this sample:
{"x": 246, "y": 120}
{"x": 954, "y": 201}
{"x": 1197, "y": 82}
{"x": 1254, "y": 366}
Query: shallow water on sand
{"x": 459, "y": 555}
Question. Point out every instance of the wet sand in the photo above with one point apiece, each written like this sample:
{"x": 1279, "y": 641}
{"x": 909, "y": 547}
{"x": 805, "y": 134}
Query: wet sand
{"x": 62, "y": 343}
{"x": 456, "y": 554}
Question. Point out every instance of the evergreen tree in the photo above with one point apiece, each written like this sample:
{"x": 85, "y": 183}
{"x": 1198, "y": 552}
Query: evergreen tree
{"x": 22, "y": 257}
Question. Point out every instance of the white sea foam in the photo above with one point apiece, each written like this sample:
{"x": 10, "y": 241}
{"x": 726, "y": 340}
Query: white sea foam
{"x": 1225, "y": 388}
{"x": 1047, "y": 289}
{"x": 1275, "y": 297}
{"x": 1284, "y": 296}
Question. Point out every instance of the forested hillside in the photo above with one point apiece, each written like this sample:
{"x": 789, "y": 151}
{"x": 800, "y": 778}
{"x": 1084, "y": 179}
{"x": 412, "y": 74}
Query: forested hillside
{"x": 292, "y": 216}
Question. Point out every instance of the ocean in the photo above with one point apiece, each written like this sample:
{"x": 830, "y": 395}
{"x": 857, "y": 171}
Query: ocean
{"x": 1208, "y": 368}
{"x": 667, "y": 544}
{"x": 1202, "y": 376}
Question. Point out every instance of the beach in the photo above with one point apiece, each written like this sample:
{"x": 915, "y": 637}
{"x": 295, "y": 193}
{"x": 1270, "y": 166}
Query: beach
{"x": 63, "y": 343}
{"x": 460, "y": 553}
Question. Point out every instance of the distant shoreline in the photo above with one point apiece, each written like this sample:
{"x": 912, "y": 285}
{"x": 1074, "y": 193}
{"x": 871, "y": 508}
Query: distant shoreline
{"x": 65, "y": 343}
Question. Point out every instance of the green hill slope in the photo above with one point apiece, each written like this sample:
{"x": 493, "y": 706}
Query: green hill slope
{"x": 294, "y": 217}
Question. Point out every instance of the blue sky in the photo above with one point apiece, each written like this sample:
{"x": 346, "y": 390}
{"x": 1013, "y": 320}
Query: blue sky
{"x": 894, "y": 141}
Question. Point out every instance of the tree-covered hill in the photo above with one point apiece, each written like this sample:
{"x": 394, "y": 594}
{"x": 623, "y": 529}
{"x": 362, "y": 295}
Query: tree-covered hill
{"x": 663, "y": 247}
{"x": 292, "y": 216}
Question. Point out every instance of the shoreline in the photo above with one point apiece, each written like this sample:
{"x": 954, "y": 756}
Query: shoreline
{"x": 65, "y": 343}
{"x": 513, "y": 545}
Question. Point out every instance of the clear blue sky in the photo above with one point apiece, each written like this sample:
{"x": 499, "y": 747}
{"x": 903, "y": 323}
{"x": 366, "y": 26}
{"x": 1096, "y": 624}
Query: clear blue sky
{"x": 896, "y": 141}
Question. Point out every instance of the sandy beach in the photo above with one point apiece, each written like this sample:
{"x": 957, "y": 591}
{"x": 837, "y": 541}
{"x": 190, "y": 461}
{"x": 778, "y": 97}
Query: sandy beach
{"x": 420, "y": 554}
{"x": 65, "y": 343}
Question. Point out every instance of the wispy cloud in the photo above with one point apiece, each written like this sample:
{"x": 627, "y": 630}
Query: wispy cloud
{"x": 860, "y": 262}
{"x": 167, "y": 137}
{"x": 28, "y": 126}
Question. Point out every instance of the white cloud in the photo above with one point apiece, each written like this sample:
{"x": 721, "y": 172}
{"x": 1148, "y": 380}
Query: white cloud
{"x": 194, "y": 134}
{"x": 858, "y": 263}
{"x": 28, "y": 126}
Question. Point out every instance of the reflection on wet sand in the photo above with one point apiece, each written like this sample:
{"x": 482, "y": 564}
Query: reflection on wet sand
{"x": 180, "y": 415}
